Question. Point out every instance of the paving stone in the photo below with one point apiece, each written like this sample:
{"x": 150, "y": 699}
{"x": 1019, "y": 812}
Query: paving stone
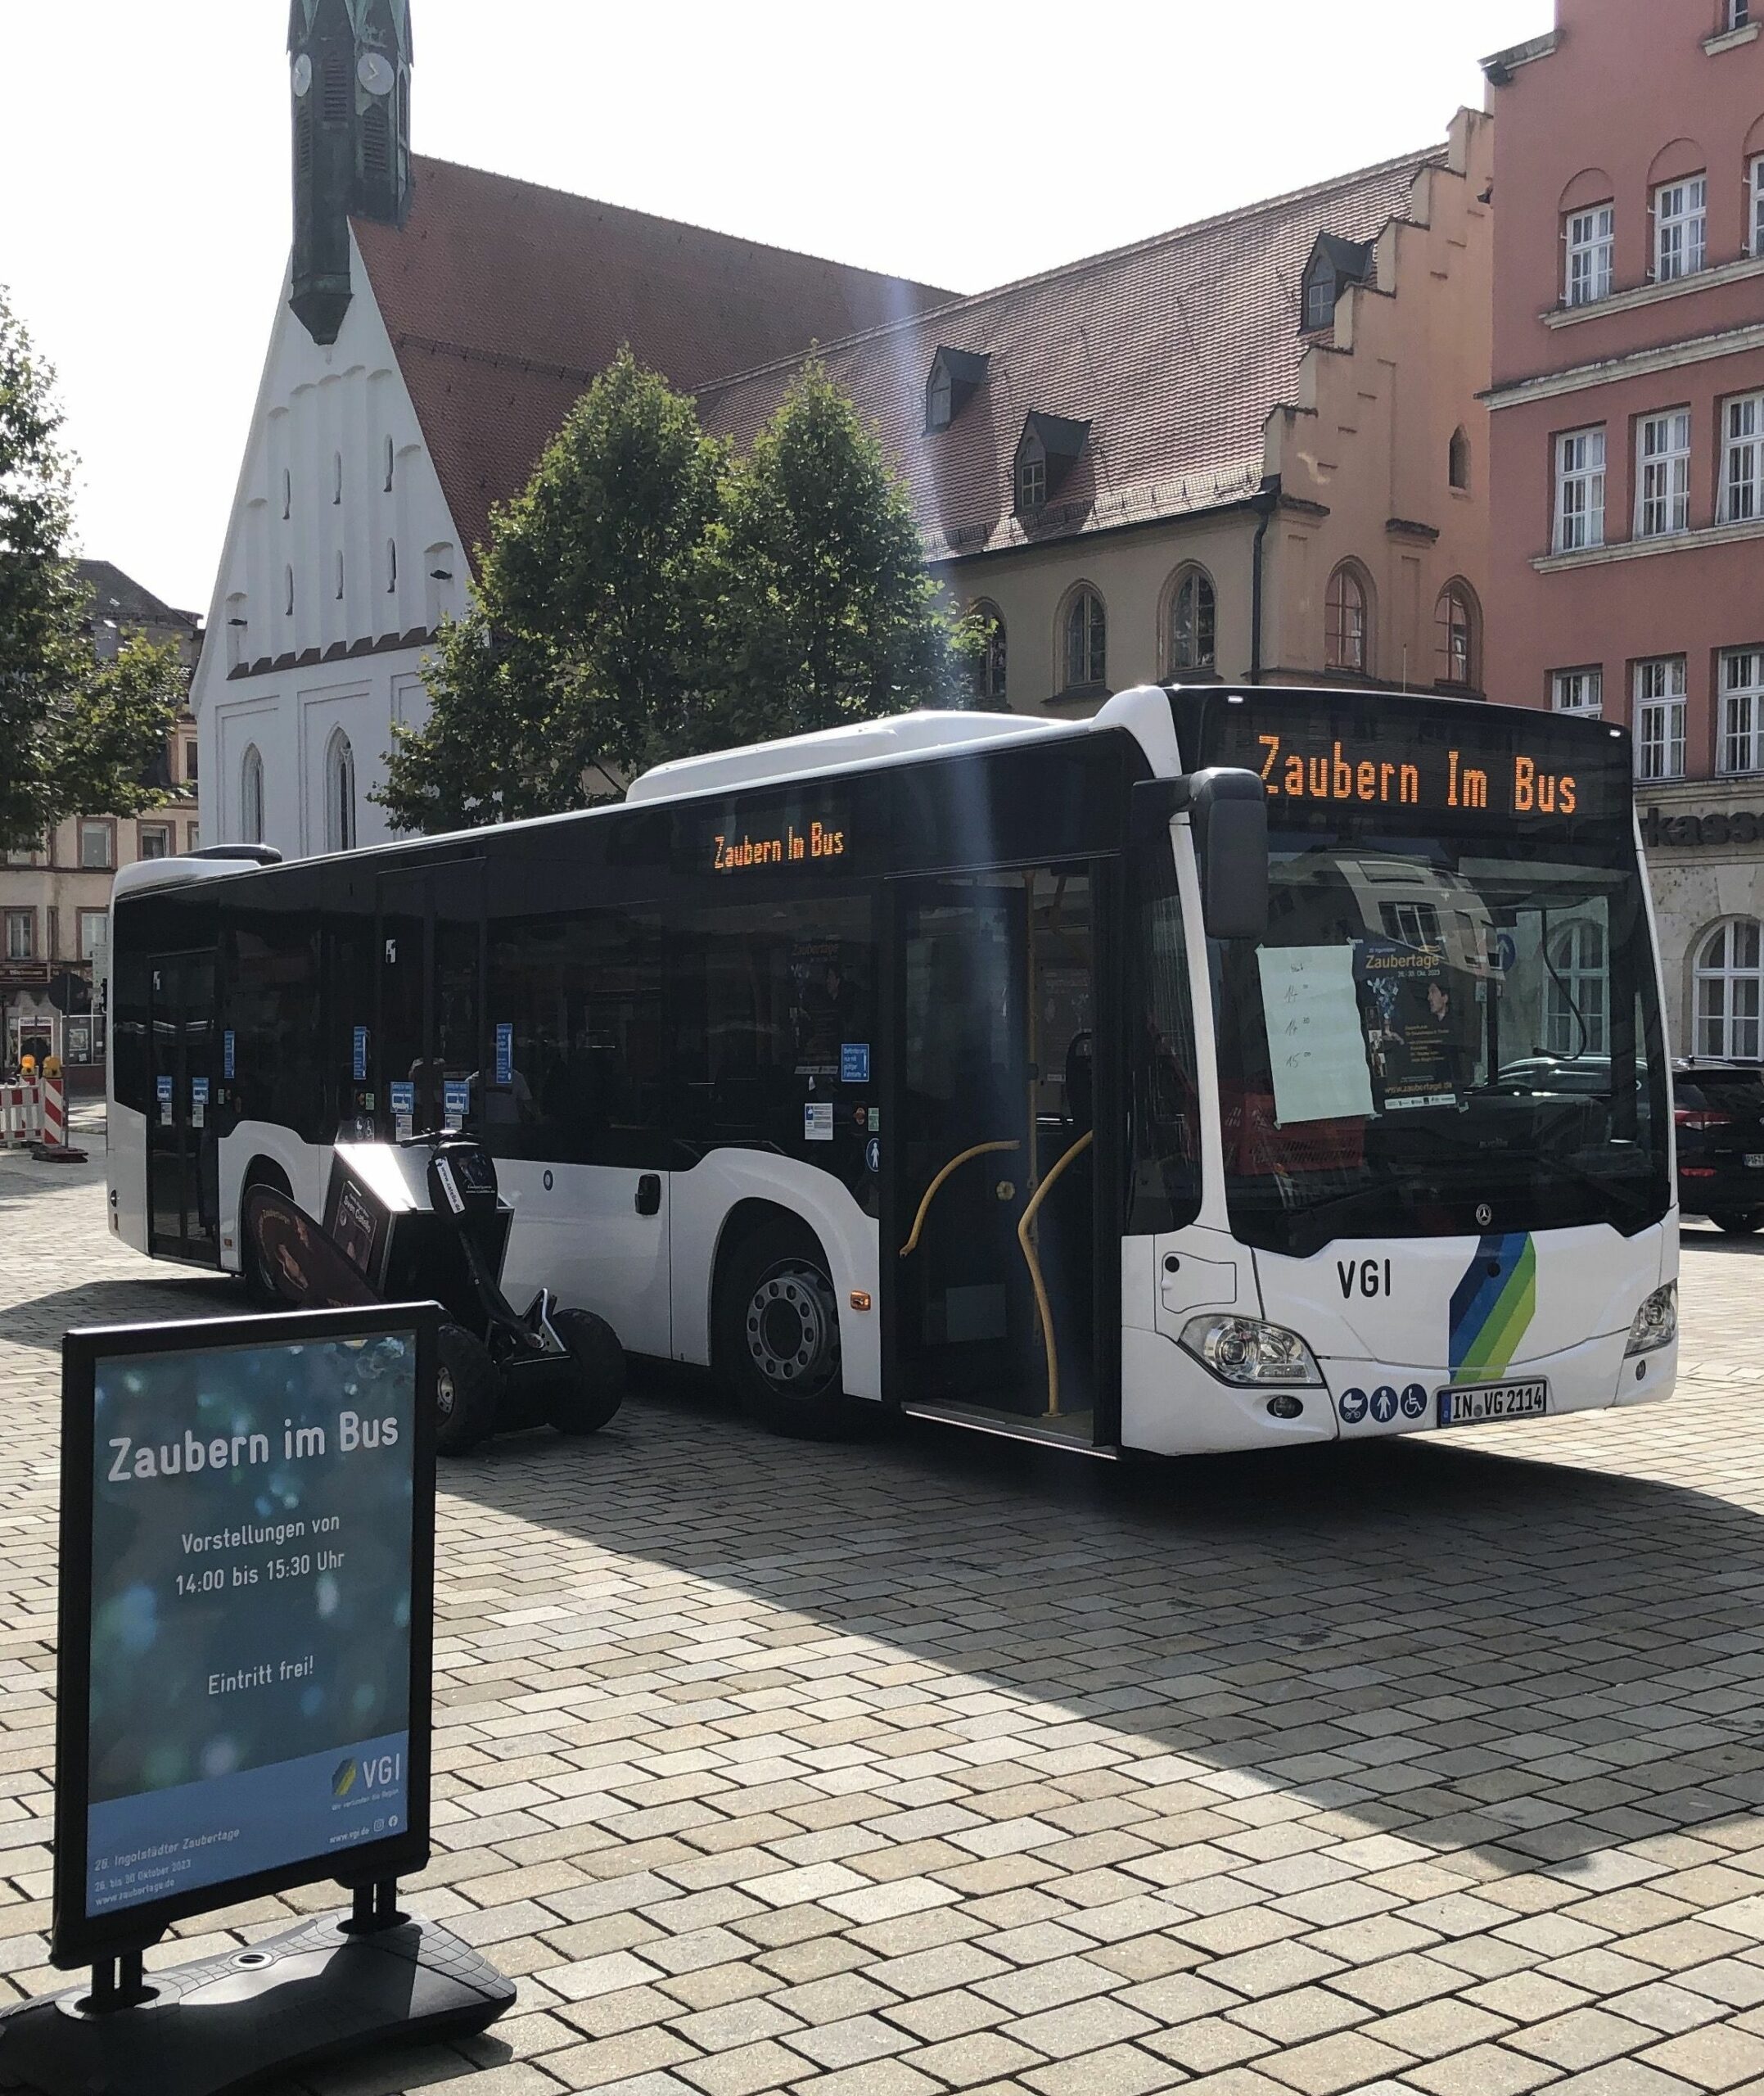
{"x": 918, "y": 1766}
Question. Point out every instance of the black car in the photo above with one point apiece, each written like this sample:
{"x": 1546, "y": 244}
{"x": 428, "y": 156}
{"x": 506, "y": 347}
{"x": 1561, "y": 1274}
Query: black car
{"x": 1719, "y": 1109}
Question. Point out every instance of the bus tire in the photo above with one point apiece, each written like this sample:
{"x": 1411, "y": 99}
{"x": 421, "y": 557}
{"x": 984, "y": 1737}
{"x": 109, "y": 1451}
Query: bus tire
{"x": 775, "y": 1333}
{"x": 466, "y": 1386}
{"x": 259, "y": 1290}
{"x": 1739, "y": 1222}
{"x": 599, "y": 1385}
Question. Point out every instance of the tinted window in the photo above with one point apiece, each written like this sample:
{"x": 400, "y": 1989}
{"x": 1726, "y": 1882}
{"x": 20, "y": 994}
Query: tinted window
{"x": 1164, "y": 1094}
{"x": 767, "y": 999}
{"x": 583, "y": 993}
{"x": 272, "y": 969}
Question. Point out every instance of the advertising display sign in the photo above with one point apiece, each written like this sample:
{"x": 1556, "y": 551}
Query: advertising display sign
{"x": 247, "y": 1555}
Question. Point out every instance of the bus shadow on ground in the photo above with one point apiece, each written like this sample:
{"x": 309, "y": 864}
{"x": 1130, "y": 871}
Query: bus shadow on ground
{"x": 1476, "y": 1651}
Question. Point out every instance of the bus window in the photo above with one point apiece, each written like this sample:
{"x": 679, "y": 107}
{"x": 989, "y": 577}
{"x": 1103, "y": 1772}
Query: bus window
{"x": 582, "y": 996}
{"x": 272, "y": 966}
{"x": 772, "y": 1005}
{"x": 348, "y": 1095}
{"x": 1165, "y": 1190}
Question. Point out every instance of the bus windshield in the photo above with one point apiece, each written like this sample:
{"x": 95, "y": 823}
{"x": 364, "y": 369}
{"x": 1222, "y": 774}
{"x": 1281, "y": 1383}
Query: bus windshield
{"x": 1452, "y": 1026}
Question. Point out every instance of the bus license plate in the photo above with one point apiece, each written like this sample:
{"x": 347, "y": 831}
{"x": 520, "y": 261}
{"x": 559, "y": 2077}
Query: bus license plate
{"x": 1472, "y": 1403}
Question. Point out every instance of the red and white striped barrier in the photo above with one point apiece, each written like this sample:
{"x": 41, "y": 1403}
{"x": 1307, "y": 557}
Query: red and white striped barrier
{"x": 52, "y": 1146}
{"x": 20, "y": 1115}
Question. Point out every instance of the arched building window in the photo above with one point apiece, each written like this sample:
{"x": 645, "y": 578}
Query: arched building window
{"x": 1193, "y": 623}
{"x": 391, "y": 568}
{"x": 991, "y": 662}
{"x": 1577, "y": 999}
{"x": 287, "y": 592}
{"x": 1458, "y": 460}
{"x": 1086, "y": 641}
{"x": 251, "y": 796}
{"x": 339, "y": 794}
{"x": 1728, "y": 990}
{"x": 1347, "y": 634}
{"x": 1457, "y": 630}
{"x": 391, "y": 460}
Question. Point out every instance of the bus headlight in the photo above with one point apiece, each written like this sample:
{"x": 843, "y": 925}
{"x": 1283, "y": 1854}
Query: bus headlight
{"x": 1656, "y": 1321}
{"x": 1244, "y": 1351}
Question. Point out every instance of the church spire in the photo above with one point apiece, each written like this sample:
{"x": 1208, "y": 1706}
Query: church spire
{"x": 350, "y": 80}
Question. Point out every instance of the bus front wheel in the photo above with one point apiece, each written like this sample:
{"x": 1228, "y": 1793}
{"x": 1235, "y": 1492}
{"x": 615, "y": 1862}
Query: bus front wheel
{"x": 777, "y": 1333}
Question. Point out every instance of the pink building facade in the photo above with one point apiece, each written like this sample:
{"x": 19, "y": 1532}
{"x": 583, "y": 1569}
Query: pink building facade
{"x": 1627, "y": 446}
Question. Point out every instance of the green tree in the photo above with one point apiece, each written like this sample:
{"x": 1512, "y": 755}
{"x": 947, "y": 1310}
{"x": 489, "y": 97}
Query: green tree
{"x": 588, "y": 631}
{"x": 828, "y": 615}
{"x": 77, "y": 734}
{"x": 649, "y": 595}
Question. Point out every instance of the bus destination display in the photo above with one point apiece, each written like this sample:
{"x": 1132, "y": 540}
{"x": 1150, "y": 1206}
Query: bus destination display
{"x": 1365, "y": 757}
{"x": 251, "y": 1611}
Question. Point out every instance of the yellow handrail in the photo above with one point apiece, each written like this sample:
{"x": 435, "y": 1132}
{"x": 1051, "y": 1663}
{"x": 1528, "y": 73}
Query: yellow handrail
{"x": 979, "y": 1150}
{"x": 1042, "y": 1305}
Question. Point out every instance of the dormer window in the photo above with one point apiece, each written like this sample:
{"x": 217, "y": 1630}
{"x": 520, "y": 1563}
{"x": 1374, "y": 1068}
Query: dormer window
{"x": 1334, "y": 265}
{"x": 1032, "y": 475}
{"x": 956, "y": 375}
{"x": 1048, "y": 450}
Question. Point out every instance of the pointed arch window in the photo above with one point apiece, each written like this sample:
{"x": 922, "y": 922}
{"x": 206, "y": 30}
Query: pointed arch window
{"x": 391, "y": 461}
{"x": 1458, "y": 460}
{"x": 1347, "y": 636}
{"x": 339, "y": 794}
{"x": 1193, "y": 622}
{"x": 990, "y": 665}
{"x": 287, "y": 592}
{"x": 336, "y": 480}
{"x": 391, "y": 568}
{"x": 251, "y": 796}
{"x": 339, "y": 576}
{"x": 1730, "y": 991}
{"x": 1086, "y": 641}
{"x": 287, "y": 494}
{"x": 1457, "y": 630}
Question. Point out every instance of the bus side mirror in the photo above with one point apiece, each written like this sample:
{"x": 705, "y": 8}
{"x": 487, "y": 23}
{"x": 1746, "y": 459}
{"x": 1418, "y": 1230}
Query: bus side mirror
{"x": 1230, "y": 815}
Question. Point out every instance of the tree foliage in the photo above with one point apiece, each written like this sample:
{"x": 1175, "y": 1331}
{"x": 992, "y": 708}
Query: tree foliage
{"x": 650, "y": 595}
{"x": 76, "y": 734}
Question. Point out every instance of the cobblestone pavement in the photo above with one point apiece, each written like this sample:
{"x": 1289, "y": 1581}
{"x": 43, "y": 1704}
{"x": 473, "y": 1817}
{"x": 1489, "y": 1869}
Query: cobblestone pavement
{"x": 935, "y": 1765}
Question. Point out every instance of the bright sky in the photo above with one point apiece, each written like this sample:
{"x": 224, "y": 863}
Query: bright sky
{"x": 144, "y": 163}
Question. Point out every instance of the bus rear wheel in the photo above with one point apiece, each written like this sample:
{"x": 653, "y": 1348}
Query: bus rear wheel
{"x": 776, "y": 1334}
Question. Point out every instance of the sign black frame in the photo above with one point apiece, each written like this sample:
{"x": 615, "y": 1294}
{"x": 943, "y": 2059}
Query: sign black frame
{"x": 77, "y": 1939}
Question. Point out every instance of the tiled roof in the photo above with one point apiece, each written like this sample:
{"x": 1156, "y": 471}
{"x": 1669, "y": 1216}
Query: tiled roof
{"x": 504, "y": 299}
{"x": 120, "y": 597}
{"x": 1174, "y": 350}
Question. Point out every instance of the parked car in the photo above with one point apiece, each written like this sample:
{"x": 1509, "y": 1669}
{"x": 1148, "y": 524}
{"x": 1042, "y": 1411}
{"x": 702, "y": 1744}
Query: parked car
{"x": 1719, "y": 1108}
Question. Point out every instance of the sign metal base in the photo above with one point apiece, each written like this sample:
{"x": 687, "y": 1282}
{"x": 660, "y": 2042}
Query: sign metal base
{"x": 331, "y": 1987}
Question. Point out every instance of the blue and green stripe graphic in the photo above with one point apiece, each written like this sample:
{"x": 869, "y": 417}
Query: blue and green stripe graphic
{"x": 1492, "y": 1307}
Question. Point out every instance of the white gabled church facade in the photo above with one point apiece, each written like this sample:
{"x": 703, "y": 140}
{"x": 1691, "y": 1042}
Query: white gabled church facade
{"x": 341, "y": 560}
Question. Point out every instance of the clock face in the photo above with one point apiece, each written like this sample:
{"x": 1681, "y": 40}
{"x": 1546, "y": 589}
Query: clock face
{"x": 303, "y": 74}
{"x": 375, "y": 73}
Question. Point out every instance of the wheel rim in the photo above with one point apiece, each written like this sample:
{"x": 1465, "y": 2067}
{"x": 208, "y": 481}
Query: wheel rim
{"x": 792, "y": 1330}
{"x": 444, "y": 1392}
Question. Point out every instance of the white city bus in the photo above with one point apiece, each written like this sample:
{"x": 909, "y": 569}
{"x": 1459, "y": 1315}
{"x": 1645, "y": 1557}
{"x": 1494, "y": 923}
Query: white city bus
{"x": 1236, "y": 1068}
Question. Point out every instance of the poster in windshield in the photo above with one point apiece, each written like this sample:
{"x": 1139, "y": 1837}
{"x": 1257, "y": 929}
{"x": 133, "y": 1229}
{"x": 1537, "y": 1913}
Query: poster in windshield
{"x": 1420, "y": 1024}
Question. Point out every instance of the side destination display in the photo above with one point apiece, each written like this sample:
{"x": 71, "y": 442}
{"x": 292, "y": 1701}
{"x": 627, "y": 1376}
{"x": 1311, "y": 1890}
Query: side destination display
{"x": 247, "y": 1595}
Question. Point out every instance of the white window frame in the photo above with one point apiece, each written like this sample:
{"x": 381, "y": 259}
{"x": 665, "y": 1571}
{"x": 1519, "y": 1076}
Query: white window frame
{"x": 1756, "y": 216}
{"x": 94, "y": 933}
{"x": 21, "y": 934}
{"x": 1577, "y": 995}
{"x": 1739, "y": 684}
{"x": 167, "y": 836}
{"x": 1085, "y": 641}
{"x": 1742, "y": 458}
{"x": 1661, "y": 686}
{"x": 1589, "y": 244}
{"x": 1662, "y": 474}
{"x": 1578, "y": 691}
{"x": 1728, "y": 990}
{"x": 1580, "y": 489}
{"x": 1680, "y": 228}
{"x": 95, "y": 827}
